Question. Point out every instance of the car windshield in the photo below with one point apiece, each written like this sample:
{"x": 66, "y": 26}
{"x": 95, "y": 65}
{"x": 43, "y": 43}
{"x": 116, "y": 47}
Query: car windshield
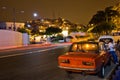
{"x": 84, "y": 47}
{"x": 106, "y": 40}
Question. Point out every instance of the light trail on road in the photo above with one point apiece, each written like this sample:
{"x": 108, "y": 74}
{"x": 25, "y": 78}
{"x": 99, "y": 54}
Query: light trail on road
{"x": 31, "y": 52}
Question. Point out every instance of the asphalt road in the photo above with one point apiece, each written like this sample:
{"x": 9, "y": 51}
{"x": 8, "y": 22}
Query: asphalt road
{"x": 36, "y": 63}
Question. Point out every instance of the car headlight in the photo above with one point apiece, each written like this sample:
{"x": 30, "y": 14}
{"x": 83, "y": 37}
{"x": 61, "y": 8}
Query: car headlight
{"x": 88, "y": 63}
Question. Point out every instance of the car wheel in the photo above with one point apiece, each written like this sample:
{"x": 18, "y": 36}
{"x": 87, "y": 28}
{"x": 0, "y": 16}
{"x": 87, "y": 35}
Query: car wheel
{"x": 101, "y": 73}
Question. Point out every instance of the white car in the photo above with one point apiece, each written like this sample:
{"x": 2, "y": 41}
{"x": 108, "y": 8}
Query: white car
{"x": 106, "y": 39}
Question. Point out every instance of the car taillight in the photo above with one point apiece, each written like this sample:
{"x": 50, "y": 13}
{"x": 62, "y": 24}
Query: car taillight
{"x": 65, "y": 61}
{"x": 87, "y": 63}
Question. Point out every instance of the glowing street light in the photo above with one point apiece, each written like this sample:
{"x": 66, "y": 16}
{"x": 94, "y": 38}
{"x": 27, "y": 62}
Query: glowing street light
{"x": 35, "y": 14}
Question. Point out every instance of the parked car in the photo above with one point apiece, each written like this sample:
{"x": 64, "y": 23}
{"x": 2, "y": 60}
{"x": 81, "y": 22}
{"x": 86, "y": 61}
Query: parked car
{"x": 85, "y": 57}
{"x": 106, "y": 39}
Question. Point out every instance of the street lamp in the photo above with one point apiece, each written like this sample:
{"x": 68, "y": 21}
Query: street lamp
{"x": 35, "y": 14}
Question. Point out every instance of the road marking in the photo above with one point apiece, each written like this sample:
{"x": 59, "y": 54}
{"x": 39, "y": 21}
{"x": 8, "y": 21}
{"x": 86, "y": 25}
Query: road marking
{"x": 19, "y": 54}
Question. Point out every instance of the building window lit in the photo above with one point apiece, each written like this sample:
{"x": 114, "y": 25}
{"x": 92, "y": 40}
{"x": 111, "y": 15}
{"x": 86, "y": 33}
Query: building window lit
{"x": 65, "y": 32}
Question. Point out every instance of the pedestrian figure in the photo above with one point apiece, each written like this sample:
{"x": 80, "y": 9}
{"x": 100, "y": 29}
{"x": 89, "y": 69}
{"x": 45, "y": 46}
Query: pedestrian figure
{"x": 111, "y": 49}
{"x": 118, "y": 47}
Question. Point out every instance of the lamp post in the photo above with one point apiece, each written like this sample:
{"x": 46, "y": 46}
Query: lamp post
{"x": 14, "y": 19}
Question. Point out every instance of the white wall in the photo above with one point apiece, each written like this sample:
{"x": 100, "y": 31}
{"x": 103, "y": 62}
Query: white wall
{"x": 11, "y": 39}
{"x": 25, "y": 39}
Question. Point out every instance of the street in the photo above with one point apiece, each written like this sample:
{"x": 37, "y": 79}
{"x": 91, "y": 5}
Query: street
{"x": 38, "y": 63}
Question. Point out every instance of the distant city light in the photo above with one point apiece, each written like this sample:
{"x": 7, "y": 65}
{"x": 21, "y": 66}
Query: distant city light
{"x": 3, "y": 7}
{"x": 65, "y": 32}
{"x": 29, "y": 25}
{"x": 22, "y": 11}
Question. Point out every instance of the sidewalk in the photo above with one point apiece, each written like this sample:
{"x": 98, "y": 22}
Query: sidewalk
{"x": 114, "y": 75}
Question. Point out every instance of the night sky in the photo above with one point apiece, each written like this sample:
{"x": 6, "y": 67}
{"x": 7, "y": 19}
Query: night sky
{"x": 77, "y": 11}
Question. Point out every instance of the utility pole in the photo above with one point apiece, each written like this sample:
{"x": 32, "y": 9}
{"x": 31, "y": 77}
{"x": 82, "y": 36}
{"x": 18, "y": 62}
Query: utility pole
{"x": 53, "y": 14}
{"x": 14, "y": 19}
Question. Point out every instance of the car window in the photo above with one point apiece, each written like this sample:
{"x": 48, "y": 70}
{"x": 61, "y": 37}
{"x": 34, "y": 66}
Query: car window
{"x": 90, "y": 47}
{"x": 106, "y": 40}
{"x": 74, "y": 47}
{"x": 85, "y": 47}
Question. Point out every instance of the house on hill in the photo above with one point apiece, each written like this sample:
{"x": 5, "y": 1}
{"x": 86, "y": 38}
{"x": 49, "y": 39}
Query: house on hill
{"x": 11, "y": 25}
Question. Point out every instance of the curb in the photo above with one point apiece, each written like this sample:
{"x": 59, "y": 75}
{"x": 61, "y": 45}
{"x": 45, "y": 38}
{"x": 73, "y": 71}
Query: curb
{"x": 112, "y": 72}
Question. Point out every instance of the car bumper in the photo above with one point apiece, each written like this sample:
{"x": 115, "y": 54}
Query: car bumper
{"x": 79, "y": 69}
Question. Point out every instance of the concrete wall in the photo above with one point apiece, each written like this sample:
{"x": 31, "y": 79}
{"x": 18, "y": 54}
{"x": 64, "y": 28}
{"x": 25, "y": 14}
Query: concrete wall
{"x": 11, "y": 39}
{"x": 25, "y": 39}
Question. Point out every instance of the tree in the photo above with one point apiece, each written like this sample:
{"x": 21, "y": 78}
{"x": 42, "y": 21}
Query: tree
{"x": 97, "y": 18}
{"x": 104, "y": 16}
{"x": 110, "y": 13}
{"x": 34, "y": 27}
{"x": 104, "y": 28}
{"x": 23, "y": 30}
{"x": 103, "y": 21}
{"x": 53, "y": 30}
{"x": 73, "y": 28}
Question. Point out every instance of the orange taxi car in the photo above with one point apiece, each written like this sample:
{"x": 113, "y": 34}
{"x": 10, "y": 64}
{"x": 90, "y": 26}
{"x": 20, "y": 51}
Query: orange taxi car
{"x": 85, "y": 57}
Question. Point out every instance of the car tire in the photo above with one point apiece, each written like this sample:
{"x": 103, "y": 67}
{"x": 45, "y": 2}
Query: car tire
{"x": 101, "y": 73}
